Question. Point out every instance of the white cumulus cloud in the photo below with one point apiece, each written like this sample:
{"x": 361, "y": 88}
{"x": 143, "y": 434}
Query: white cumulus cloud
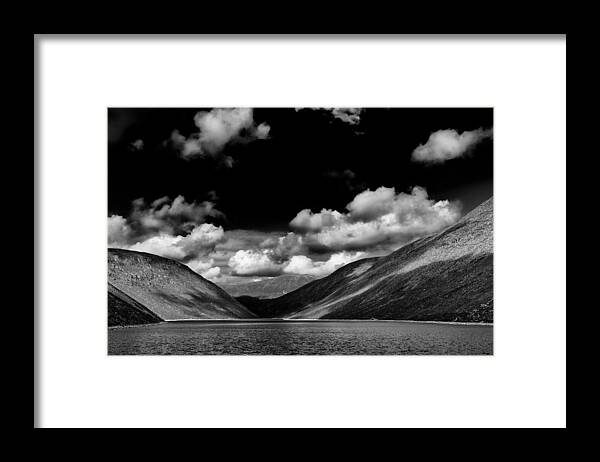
{"x": 283, "y": 247}
{"x": 443, "y": 145}
{"x": 211, "y": 273}
{"x": 349, "y": 115}
{"x": 254, "y": 263}
{"x": 172, "y": 229}
{"x": 161, "y": 216}
{"x": 200, "y": 241}
{"x": 301, "y": 264}
{"x": 376, "y": 217}
{"x": 119, "y": 231}
{"x": 217, "y": 128}
{"x": 306, "y": 221}
{"x": 164, "y": 245}
{"x": 205, "y": 268}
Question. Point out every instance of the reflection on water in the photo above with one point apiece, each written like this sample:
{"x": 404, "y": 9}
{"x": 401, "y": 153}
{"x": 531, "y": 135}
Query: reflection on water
{"x": 302, "y": 338}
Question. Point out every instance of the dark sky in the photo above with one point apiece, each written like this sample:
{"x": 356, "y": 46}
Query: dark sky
{"x": 239, "y": 193}
{"x": 300, "y": 165}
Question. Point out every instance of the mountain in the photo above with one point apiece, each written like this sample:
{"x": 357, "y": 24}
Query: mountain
{"x": 125, "y": 311}
{"x": 266, "y": 287}
{"x": 169, "y": 289}
{"x": 443, "y": 277}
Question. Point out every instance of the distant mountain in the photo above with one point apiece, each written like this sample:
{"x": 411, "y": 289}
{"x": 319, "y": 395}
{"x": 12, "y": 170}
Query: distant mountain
{"x": 444, "y": 277}
{"x": 169, "y": 289}
{"x": 125, "y": 311}
{"x": 267, "y": 287}
{"x": 315, "y": 290}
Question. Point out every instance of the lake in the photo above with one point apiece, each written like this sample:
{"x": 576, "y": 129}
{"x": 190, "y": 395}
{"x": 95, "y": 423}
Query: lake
{"x": 331, "y": 337}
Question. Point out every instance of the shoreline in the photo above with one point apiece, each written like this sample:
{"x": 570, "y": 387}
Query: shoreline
{"x": 128, "y": 326}
{"x": 292, "y": 320}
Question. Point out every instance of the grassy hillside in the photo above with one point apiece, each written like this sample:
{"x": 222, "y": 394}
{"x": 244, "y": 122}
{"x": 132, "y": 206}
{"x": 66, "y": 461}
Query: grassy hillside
{"x": 170, "y": 289}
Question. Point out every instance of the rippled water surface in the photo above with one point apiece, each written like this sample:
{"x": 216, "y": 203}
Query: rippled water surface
{"x": 301, "y": 338}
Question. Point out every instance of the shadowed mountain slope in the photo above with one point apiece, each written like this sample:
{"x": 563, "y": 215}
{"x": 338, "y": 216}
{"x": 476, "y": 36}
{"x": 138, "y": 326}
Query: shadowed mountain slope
{"x": 125, "y": 311}
{"x": 170, "y": 289}
{"x": 444, "y": 277}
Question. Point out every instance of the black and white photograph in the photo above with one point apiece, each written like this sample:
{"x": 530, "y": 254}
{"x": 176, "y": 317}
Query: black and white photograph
{"x": 290, "y": 231}
{"x": 300, "y": 231}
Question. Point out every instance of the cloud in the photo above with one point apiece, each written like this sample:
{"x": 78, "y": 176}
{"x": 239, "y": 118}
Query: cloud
{"x": 273, "y": 256}
{"x": 119, "y": 231}
{"x": 251, "y": 253}
{"x": 216, "y": 129}
{"x": 137, "y": 145}
{"x": 212, "y": 273}
{"x": 448, "y": 144}
{"x": 306, "y": 221}
{"x": 242, "y": 239}
{"x": 301, "y": 264}
{"x": 282, "y": 248}
{"x": 349, "y": 115}
{"x": 164, "y": 245}
{"x": 375, "y": 218}
{"x": 262, "y": 131}
{"x": 375, "y": 222}
{"x": 369, "y": 205}
{"x": 254, "y": 263}
{"x": 172, "y": 229}
{"x": 200, "y": 241}
{"x": 169, "y": 217}
{"x": 202, "y": 238}
{"x": 205, "y": 268}
{"x": 200, "y": 265}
